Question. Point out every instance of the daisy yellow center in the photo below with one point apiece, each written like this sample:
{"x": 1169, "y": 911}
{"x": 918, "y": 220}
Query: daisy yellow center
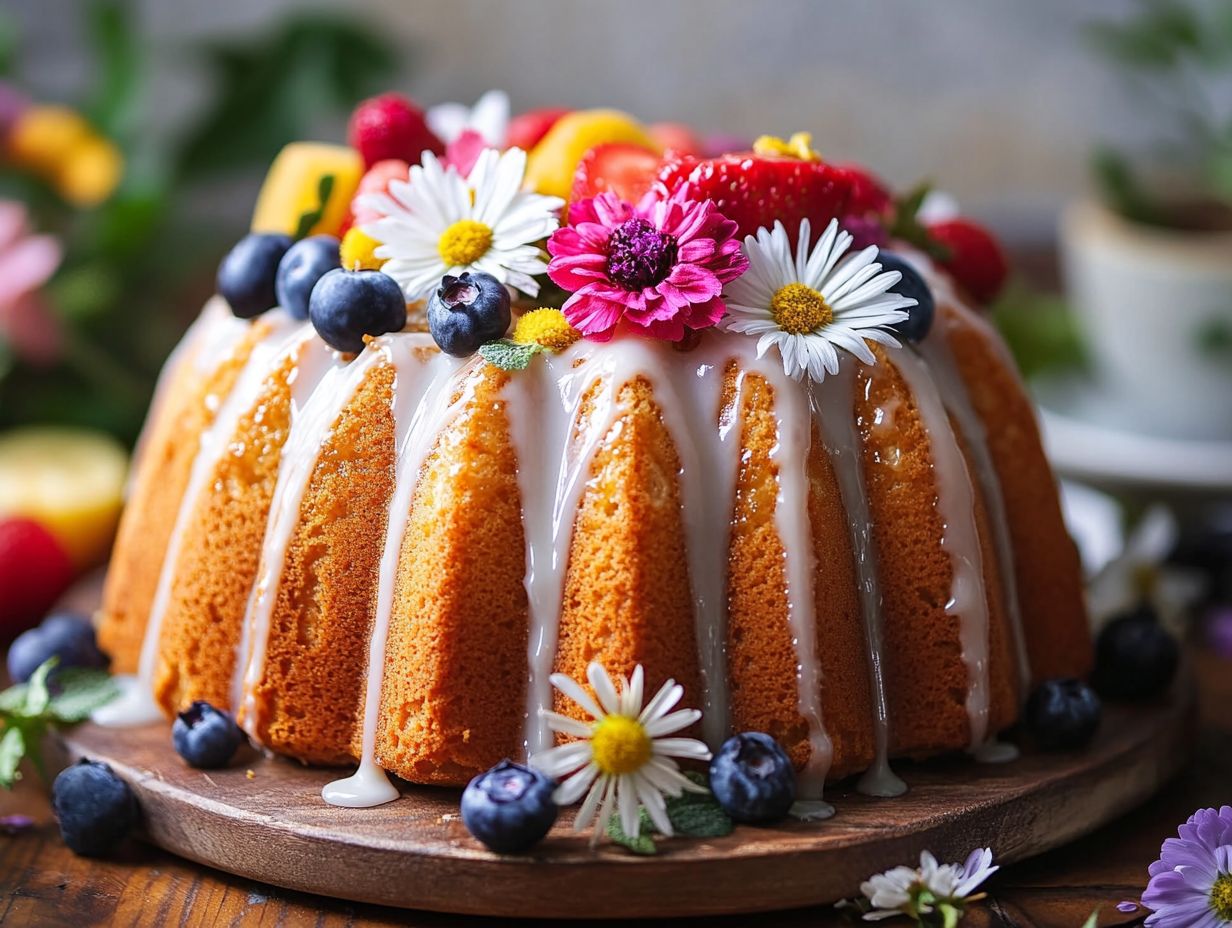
{"x": 620, "y": 745}
{"x": 1221, "y": 897}
{"x": 464, "y": 242}
{"x": 798, "y": 309}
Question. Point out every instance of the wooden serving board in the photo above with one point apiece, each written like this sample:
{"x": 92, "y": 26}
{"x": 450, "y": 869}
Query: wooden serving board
{"x": 271, "y": 825}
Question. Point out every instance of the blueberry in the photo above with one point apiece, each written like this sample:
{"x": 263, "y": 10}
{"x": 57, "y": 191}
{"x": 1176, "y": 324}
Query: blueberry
{"x": 1062, "y": 714}
{"x": 509, "y": 808}
{"x": 1135, "y": 658}
{"x": 468, "y": 310}
{"x": 347, "y": 305}
{"x": 920, "y": 317}
{"x": 752, "y": 778}
{"x": 305, "y": 262}
{"x": 95, "y": 808}
{"x": 246, "y": 275}
{"x": 207, "y": 738}
{"x": 62, "y": 634}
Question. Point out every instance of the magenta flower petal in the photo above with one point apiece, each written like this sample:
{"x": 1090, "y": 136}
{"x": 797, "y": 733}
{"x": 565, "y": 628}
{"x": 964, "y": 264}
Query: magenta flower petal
{"x": 660, "y": 265}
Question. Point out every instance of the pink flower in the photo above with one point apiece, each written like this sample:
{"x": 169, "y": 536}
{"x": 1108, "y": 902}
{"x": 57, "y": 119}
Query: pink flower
{"x": 27, "y": 261}
{"x": 659, "y": 266}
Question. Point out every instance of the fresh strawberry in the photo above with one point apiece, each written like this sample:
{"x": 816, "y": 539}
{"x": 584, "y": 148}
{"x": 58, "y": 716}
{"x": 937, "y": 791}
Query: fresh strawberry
{"x": 975, "y": 258}
{"x": 755, "y": 190}
{"x": 626, "y": 170}
{"x": 35, "y": 570}
{"x": 677, "y": 137}
{"x": 526, "y": 129}
{"x": 390, "y": 126}
{"x": 868, "y": 193}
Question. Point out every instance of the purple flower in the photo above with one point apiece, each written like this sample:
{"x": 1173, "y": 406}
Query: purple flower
{"x": 1191, "y": 883}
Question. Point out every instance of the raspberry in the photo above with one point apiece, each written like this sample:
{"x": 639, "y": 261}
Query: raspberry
{"x": 390, "y": 126}
{"x": 35, "y": 571}
{"x": 975, "y": 257}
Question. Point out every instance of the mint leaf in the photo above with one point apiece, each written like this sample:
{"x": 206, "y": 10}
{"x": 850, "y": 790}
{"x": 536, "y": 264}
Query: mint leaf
{"x": 38, "y": 696}
{"x": 312, "y": 217}
{"x": 907, "y": 226}
{"x": 81, "y": 690}
{"x": 12, "y": 748}
{"x": 698, "y": 816}
{"x": 643, "y": 844}
{"x": 509, "y": 356}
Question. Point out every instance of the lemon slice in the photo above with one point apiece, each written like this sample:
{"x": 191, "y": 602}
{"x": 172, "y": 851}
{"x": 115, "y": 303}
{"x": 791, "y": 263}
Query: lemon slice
{"x": 70, "y": 480}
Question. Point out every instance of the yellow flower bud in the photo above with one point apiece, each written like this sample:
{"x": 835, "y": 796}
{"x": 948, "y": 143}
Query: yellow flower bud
{"x": 357, "y": 251}
{"x": 44, "y": 137}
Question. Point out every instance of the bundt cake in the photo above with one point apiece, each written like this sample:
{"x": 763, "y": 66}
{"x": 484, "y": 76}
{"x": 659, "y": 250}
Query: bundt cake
{"x": 381, "y": 557}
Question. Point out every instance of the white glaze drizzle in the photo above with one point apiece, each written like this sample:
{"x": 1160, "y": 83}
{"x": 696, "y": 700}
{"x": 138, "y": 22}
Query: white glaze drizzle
{"x": 212, "y": 335}
{"x": 834, "y": 406}
{"x": 960, "y": 539}
{"x": 307, "y": 437}
{"x": 314, "y": 360}
{"x": 420, "y": 414}
{"x": 936, "y": 352}
{"x": 136, "y": 704}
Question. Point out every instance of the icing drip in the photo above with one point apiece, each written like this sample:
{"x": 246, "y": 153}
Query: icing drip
{"x": 795, "y": 429}
{"x": 136, "y": 705}
{"x": 308, "y": 434}
{"x": 936, "y": 352}
{"x": 960, "y": 537}
{"x": 689, "y": 397}
{"x": 315, "y": 359}
{"x": 420, "y": 414}
{"x": 212, "y": 335}
{"x": 833, "y": 403}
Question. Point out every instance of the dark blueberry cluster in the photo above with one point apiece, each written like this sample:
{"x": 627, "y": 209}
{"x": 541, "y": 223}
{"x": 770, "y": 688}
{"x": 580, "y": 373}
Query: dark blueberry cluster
{"x": 63, "y": 635}
{"x": 509, "y": 808}
{"x": 207, "y": 738}
{"x": 1135, "y": 657}
{"x": 1062, "y": 714}
{"x": 95, "y": 808}
{"x": 468, "y": 310}
{"x": 752, "y": 778}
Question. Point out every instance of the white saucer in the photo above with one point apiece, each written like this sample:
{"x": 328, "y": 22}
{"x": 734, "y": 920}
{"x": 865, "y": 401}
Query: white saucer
{"x": 1089, "y": 436}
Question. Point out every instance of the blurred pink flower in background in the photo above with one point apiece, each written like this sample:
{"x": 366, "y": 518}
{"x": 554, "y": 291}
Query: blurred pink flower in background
{"x": 27, "y": 261}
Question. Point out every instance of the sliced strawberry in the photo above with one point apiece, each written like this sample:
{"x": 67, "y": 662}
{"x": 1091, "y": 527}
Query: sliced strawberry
{"x": 755, "y": 190}
{"x": 626, "y": 170}
{"x": 868, "y": 193}
{"x": 526, "y": 129}
{"x": 974, "y": 257}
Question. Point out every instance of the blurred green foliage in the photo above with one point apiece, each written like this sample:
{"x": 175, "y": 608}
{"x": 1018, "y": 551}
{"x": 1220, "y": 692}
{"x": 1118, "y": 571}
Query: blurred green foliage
{"x": 1040, "y": 330}
{"x": 135, "y": 266}
{"x": 1176, "y": 59}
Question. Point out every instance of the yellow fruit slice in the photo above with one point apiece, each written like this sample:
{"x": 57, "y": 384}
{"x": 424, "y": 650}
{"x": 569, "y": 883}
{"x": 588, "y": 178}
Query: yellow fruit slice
{"x": 553, "y": 162}
{"x": 292, "y": 188}
{"x": 70, "y": 480}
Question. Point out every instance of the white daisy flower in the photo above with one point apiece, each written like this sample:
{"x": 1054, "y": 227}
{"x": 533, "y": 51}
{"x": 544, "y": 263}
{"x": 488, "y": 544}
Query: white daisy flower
{"x": 811, "y": 304}
{"x": 919, "y": 891}
{"x": 489, "y": 117}
{"x": 438, "y": 222}
{"x": 623, "y": 758}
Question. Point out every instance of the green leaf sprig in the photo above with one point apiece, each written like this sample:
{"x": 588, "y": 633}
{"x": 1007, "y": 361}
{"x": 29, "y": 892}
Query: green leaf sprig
{"x": 693, "y": 815}
{"x": 29, "y": 710}
{"x": 509, "y": 355}
{"x": 313, "y": 216}
{"x": 906, "y": 223}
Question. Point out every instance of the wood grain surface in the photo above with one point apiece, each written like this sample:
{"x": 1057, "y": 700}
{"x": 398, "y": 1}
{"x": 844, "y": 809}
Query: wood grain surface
{"x": 263, "y": 818}
{"x": 43, "y": 884}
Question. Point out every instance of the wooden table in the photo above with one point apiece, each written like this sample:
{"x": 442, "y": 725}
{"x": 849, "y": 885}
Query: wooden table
{"x": 43, "y": 884}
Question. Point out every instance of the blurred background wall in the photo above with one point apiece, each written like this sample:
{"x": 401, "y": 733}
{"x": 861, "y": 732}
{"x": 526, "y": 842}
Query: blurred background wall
{"x": 998, "y": 101}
